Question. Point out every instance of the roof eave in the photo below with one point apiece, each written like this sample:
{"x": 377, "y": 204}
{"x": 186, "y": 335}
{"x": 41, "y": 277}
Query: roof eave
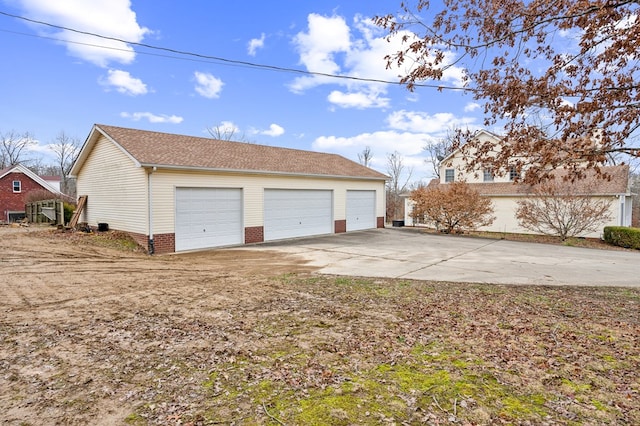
{"x": 88, "y": 146}
{"x": 531, "y": 194}
{"x": 19, "y": 168}
{"x": 256, "y": 172}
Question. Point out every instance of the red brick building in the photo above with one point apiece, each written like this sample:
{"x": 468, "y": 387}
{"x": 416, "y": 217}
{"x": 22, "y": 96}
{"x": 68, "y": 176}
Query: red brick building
{"x": 16, "y": 182}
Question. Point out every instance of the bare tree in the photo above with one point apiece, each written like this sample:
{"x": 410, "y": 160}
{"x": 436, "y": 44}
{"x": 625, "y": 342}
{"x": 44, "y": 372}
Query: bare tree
{"x": 399, "y": 178}
{"x": 437, "y": 151}
{"x": 39, "y": 167}
{"x": 560, "y": 210}
{"x": 14, "y": 147}
{"x": 575, "y": 63}
{"x": 226, "y": 132}
{"x": 66, "y": 150}
{"x": 365, "y": 156}
{"x": 452, "y": 206}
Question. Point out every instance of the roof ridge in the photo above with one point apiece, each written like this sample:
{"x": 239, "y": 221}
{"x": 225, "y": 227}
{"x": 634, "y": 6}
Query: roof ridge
{"x": 172, "y": 150}
{"x": 219, "y": 140}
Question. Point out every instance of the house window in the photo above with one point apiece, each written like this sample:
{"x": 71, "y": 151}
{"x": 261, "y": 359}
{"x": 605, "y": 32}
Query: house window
{"x": 449, "y": 175}
{"x": 17, "y": 187}
{"x": 513, "y": 174}
{"x": 487, "y": 175}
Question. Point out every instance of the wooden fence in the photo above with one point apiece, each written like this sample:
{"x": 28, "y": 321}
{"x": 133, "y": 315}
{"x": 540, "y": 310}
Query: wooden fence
{"x": 46, "y": 211}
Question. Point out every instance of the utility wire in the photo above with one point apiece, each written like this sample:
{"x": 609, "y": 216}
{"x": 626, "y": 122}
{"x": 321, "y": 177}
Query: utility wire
{"x": 113, "y": 48}
{"x": 208, "y": 58}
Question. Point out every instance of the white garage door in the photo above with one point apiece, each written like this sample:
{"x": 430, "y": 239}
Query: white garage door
{"x": 290, "y": 213}
{"x": 208, "y": 217}
{"x": 361, "y": 210}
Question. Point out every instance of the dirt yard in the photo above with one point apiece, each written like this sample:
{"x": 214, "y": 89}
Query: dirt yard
{"x": 94, "y": 332}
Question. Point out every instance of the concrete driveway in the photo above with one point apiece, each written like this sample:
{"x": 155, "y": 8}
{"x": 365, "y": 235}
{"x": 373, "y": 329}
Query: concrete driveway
{"x": 408, "y": 253}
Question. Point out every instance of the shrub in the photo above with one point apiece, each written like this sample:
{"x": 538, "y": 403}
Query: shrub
{"x": 38, "y": 195}
{"x": 559, "y": 208}
{"x": 68, "y": 211}
{"x": 452, "y": 206}
{"x": 622, "y": 236}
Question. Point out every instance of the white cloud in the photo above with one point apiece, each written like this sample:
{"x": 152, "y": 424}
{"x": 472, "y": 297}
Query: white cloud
{"x": 255, "y": 44}
{"x": 330, "y": 45}
{"x": 360, "y": 100}
{"x": 152, "y": 118}
{"x": 381, "y": 143}
{"x": 111, "y": 18}
{"x": 471, "y": 106}
{"x": 408, "y": 133}
{"x": 326, "y": 37}
{"x": 124, "y": 83}
{"x": 208, "y": 85}
{"x": 416, "y": 121}
{"x": 225, "y": 130}
{"x": 274, "y": 130}
{"x": 229, "y": 126}
{"x": 319, "y": 47}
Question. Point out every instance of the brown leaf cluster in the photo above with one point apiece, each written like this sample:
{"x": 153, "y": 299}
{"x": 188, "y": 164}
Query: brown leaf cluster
{"x": 562, "y": 76}
{"x": 452, "y": 206}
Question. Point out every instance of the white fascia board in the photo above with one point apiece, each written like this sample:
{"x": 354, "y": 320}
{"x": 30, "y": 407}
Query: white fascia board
{"x": 257, "y": 172}
{"x": 88, "y": 146}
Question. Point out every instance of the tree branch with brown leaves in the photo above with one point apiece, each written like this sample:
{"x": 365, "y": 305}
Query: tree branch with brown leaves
{"x": 576, "y": 62}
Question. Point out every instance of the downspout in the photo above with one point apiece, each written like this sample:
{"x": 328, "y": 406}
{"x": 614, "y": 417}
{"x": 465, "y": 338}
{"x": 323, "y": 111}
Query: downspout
{"x": 151, "y": 244}
{"x": 622, "y": 212}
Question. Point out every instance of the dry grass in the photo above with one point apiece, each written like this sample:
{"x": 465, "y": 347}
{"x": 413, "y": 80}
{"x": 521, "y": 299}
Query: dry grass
{"x": 101, "y": 335}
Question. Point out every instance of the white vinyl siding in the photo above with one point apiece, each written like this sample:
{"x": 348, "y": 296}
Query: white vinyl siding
{"x": 208, "y": 217}
{"x": 290, "y": 213}
{"x": 116, "y": 189}
{"x": 253, "y": 187}
{"x": 505, "y": 207}
{"x": 361, "y": 210}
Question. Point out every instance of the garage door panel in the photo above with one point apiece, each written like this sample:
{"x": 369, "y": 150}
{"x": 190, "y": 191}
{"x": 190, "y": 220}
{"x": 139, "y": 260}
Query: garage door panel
{"x": 208, "y": 217}
{"x": 361, "y": 210}
{"x": 290, "y": 213}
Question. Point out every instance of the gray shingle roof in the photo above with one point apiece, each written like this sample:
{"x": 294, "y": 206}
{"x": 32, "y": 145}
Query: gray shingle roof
{"x": 179, "y": 151}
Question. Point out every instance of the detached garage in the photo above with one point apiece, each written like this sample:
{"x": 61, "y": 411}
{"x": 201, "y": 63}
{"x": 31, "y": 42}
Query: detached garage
{"x": 177, "y": 193}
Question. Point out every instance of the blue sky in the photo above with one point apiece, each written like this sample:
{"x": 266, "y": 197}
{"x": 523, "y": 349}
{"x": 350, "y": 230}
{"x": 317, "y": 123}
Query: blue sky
{"x": 49, "y": 85}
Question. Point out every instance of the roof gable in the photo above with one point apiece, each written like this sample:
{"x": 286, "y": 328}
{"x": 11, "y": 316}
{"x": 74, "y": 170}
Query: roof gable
{"x": 479, "y": 135}
{"x": 164, "y": 150}
{"x": 19, "y": 168}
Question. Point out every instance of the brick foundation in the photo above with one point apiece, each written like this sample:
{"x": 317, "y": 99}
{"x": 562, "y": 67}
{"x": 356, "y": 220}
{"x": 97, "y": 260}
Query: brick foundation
{"x": 141, "y": 239}
{"x": 253, "y": 234}
{"x": 164, "y": 243}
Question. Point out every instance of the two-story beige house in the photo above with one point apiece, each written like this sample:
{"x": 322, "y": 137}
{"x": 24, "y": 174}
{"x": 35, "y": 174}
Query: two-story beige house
{"x": 505, "y": 192}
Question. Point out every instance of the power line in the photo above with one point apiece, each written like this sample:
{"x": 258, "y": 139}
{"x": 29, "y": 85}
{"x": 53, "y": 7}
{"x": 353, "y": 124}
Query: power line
{"x": 110, "y": 47}
{"x": 209, "y": 58}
